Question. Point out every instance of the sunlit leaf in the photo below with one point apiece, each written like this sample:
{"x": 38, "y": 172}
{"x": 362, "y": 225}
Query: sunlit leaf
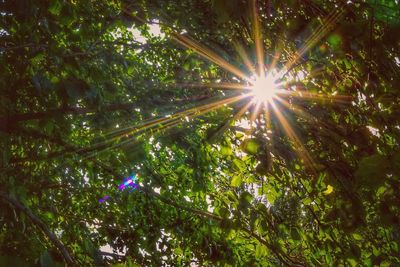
{"x": 250, "y": 146}
{"x": 329, "y": 189}
{"x": 236, "y": 180}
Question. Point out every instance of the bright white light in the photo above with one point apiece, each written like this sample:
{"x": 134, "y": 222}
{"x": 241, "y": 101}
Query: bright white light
{"x": 155, "y": 29}
{"x": 264, "y": 88}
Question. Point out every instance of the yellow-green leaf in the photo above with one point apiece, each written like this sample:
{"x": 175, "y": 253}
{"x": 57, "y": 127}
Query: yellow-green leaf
{"x": 236, "y": 181}
{"x": 329, "y": 189}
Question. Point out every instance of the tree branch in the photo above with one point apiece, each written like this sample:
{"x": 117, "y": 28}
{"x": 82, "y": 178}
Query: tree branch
{"x": 39, "y": 223}
{"x": 204, "y": 214}
{"x": 67, "y": 148}
{"x": 65, "y": 111}
{"x": 167, "y": 201}
{"x": 288, "y": 262}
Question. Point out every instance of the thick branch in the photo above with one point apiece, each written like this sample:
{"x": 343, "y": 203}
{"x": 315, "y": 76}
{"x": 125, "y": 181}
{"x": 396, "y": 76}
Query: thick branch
{"x": 39, "y": 223}
{"x": 65, "y": 111}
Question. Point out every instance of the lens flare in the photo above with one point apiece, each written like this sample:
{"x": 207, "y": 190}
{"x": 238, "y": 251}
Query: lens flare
{"x": 104, "y": 199}
{"x": 128, "y": 182}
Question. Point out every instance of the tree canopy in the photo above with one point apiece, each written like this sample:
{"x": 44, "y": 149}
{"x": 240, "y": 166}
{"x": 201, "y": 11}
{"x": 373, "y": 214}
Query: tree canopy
{"x": 261, "y": 133}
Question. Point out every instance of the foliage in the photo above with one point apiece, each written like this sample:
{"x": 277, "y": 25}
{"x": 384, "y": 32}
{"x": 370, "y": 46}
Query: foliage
{"x": 76, "y": 74}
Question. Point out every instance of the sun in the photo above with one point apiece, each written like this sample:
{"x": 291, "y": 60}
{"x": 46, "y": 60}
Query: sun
{"x": 264, "y": 88}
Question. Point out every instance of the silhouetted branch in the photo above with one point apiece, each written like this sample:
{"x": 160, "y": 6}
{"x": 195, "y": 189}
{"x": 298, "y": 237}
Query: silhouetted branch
{"x": 39, "y": 223}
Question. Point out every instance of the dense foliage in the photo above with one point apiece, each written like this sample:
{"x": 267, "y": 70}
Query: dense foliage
{"x": 82, "y": 86}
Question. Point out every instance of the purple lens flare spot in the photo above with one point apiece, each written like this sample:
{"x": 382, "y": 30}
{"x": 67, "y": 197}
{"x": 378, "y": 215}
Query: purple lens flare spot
{"x": 102, "y": 200}
{"x": 127, "y": 182}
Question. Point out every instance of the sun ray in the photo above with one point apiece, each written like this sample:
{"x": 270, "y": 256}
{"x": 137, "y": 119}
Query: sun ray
{"x": 258, "y": 40}
{"x": 306, "y": 115}
{"x": 150, "y": 122}
{"x": 312, "y": 74}
{"x": 303, "y": 113}
{"x": 321, "y": 31}
{"x": 296, "y": 109}
{"x": 227, "y": 124}
{"x": 210, "y": 55}
{"x": 307, "y": 95}
{"x": 275, "y": 58}
{"x": 255, "y": 78}
{"x": 246, "y": 60}
{"x": 256, "y": 111}
{"x": 267, "y": 116}
{"x": 162, "y": 123}
{"x": 253, "y": 116}
{"x": 325, "y": 26}
{"x": 301, "y": 150}
{"x": 234, "y": 86}
{"x": 132, "y": 140}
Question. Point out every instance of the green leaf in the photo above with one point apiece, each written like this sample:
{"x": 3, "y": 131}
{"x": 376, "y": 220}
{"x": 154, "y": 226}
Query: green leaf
{"x": 245, "y": 199}
{"x": 222, "y": 211}
{"x": 250, "y": 146}
{"x": 37, "y": 59}
{"x": 236, "y": 180}
{"x": 329, "y": 189}
{"x": 186, "y": 65}
{"x": 328, "y": 258}
{"x": 55, "y": 7}
{"x": 294, "y": 233}
{"x": 238, "y": 165}
{"x": 352, "y": 262}
{"x": 131, "y": 69}
{"x": 357, "y": 236}
{"x": 334, "y": 40}
{"x": 178, "y": 251}
{"x": 226, "y": 150}
{"x": 271, "y": 193}
{"x": 261, "y": 251}
{"x": 307, "y": 201}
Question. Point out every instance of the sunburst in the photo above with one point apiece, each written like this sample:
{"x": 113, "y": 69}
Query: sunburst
{"x": 263, "y": 87}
